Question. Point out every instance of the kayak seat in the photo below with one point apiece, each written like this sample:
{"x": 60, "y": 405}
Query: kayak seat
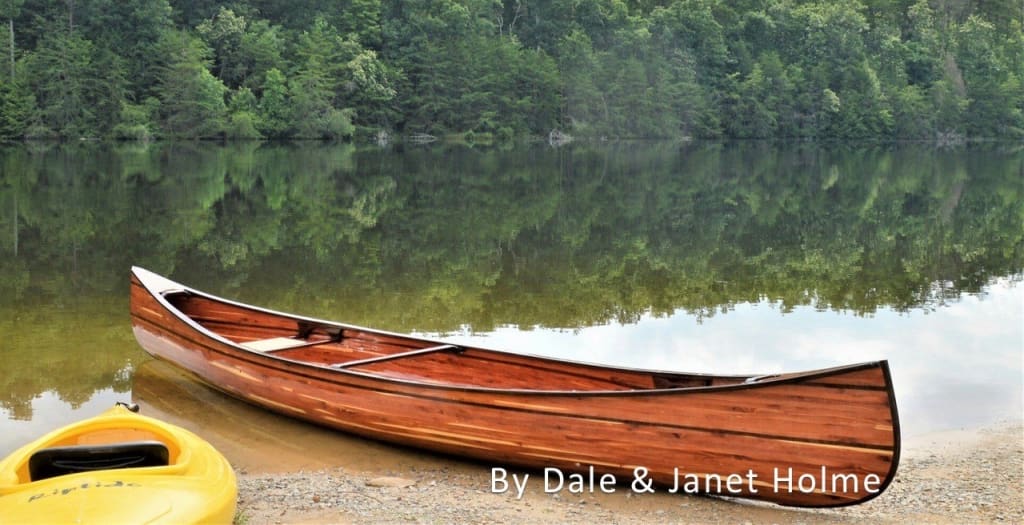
{"x": 58, "y": 461}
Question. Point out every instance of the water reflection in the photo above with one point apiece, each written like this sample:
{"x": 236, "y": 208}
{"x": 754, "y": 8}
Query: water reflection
{"x": 705, "y": 257}
{"x": 955, "y": 366}
{"x": 256, "y": 440}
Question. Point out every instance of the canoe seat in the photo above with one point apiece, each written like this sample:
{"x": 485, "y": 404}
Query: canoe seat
{"x": 58, "y": 461}
{"x": 277, "y": 343}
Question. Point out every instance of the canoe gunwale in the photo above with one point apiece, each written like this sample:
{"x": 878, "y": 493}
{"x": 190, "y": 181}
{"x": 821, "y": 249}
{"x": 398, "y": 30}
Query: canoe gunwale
{"x": 760, "y": 380}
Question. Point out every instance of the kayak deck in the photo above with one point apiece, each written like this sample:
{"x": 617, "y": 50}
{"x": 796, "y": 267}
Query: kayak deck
{"x": 117, "y": 467}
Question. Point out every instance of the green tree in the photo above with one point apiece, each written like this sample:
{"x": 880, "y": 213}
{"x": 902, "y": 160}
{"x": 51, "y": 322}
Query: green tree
{"x": 190, "y": 13}
{"x": 692, "y": 25}
{"x": 349, "y": 75}
{"x": 273, "y": 108}
{"x": 223, "y": 35}
{"x": 130, "y": 31}
{"x": 243, "y": 121}
{"x": 9, "y": 10}
{"x": 913, "y": 114}
{"x": 261, "y": 49}
{"x": 137, "y": 120}
{"x": 923, "y": 45}
{"x": 74, "y": 84}
{"x": 368, "y": 88}
{"x": 994, "y": 90}
{"x": 949, "y": 97}
{"x": 191, "y": 98}
{"x": 17, "y": 109}
{"x": 311, "y": 107}
{"x": 362, "y": 19}
{"x": 755, "y": 112}
{"x": 584, "y": 108}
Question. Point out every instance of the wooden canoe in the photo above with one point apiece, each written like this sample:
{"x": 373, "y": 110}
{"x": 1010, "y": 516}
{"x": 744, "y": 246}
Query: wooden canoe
{"x": 821, "y": 438}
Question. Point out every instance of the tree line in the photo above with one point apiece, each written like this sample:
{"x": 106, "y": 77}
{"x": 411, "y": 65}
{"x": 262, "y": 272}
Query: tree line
{"x": 498, "y": 69}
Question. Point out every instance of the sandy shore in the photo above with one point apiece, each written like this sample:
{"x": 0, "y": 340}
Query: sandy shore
{"x": 952, "y": 477}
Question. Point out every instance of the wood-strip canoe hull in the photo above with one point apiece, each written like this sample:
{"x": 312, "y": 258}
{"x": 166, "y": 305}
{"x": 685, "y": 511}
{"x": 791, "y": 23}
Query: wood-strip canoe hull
{"x": 815, "y": 439}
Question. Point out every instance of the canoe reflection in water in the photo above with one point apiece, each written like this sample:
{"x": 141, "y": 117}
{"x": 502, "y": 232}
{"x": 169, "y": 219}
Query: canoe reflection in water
{"x": 255, "y": 440}
{"x": 817, "y": 439}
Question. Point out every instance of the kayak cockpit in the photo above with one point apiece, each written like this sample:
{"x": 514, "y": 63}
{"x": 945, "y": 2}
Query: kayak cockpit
{"x": 59, "y": 461}
{"x": 112, "y": 445}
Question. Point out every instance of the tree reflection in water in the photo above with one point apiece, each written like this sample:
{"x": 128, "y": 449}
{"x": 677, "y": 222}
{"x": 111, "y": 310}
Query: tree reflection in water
{"x": 447, "y": 238}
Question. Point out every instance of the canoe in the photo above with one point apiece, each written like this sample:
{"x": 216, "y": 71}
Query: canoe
{"x": 117, "y": 467}
{"x": 819, "y": 438}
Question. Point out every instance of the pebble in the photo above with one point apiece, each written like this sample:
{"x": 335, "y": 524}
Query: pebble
{"x": 390, "y": 481}
{"x": 983, "y": 483}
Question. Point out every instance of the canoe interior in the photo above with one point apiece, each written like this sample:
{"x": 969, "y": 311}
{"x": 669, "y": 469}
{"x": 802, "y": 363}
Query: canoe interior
{"x": 393, "y": 356}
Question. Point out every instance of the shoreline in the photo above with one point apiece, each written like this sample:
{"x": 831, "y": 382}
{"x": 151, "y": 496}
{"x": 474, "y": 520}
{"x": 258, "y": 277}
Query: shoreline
{"x": 958, "y": 476}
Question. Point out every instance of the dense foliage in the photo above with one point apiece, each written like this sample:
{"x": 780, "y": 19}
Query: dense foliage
{"x": 328, "y": 69}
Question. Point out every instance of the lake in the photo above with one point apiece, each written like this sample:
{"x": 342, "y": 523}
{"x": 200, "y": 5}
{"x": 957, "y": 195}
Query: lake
{"x": 704, "y": 257}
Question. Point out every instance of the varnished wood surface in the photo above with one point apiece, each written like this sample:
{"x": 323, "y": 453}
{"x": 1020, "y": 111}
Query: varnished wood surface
{"x": 509, "y": 409}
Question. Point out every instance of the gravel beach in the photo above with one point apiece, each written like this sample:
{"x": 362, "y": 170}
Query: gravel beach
{"x": 974, "y": 476}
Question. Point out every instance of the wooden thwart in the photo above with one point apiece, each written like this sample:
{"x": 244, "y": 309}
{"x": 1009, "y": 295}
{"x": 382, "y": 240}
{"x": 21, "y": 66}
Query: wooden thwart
{"x": 410, "y": 353}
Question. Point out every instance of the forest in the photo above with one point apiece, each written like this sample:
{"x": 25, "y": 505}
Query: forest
{"x": 496, "y": 70}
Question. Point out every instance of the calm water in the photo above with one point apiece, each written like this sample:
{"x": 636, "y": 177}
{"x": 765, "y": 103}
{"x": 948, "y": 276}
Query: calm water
{"x": 700, "y": 257}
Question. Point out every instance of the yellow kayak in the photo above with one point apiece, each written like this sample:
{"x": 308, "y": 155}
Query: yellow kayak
{"x": 118, "y": 467}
